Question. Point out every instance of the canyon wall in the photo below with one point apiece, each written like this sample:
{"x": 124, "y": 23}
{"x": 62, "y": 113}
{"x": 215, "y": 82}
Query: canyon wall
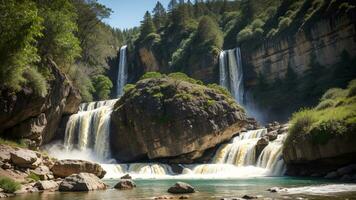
{"x": 325, "y": 39}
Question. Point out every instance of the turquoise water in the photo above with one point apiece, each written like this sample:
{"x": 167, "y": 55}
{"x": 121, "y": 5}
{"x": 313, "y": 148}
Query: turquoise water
{"x": 206, "y": 189}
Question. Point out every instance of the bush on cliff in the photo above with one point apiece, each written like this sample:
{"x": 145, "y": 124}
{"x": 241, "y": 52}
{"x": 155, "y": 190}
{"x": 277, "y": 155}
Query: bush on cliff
{"x": 334, "y": 116}
{"x": 9, "y": 185}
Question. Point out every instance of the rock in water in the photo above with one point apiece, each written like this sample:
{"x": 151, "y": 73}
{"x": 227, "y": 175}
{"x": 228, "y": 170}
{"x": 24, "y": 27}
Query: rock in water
{"x": 166, "y": 117}
{"x": 81, "y": 182}
{"x": 125, "y": 184}
{"x": 126, "y": 176}
{"x": 181, "y": 188}
{"x": 64, "y": 168}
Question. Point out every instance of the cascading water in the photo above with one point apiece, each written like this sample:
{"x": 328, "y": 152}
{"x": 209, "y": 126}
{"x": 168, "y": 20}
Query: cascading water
{"x": 238, "y": 158}
{"x": 89, "y": 129}
{"x": 231, "y": 74}
{"x": 122, "y": 72}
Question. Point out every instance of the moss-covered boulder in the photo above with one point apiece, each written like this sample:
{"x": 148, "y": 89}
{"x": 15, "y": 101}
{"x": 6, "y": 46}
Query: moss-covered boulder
{"x": 172, "y": 117}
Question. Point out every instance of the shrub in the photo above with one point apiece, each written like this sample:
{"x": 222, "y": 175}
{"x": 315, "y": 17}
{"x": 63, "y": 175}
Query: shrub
{"x": 257, "y": 23}
{"x": 244, "y": 34}
{"x": 352, "y": 88}
{"x": 334, "y": 93}
{"x": 151, "y": 75}
{"x": 34, "y": 177}
{"x": 36, "y": 81}
{"x": 325, "y": 104}
{"x": 9, "y": 185}
{"x": 102, "y": 85}
{"x": 183, "y": 77}
{"x": 326, "y": 130}
{"x": 128, "y": 87}
{"x": 284, "y": 23}
{"x": 302, "y": 122}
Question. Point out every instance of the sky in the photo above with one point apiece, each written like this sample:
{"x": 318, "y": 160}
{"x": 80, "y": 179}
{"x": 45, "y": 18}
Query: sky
{"x": 129, "y": 13}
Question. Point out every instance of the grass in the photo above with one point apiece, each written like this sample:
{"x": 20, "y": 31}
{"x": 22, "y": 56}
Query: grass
{"x": 34, "y": 177}
{"x": 9, "y": 185}
{"x": 13, "y": 143}
{"x": 334, "y": 116}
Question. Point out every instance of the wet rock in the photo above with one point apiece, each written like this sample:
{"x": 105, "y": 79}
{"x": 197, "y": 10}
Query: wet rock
{"x": 181, "y": 188}
{"x": 272, "y": 135}
{"x": 126, "y": 176}
{"x": 164, "y": 197}
{"x": 184, "y": 197}
{"x": 64, "y": 168}
{"x": 261, "y": 144}
{"x": 27, "y": 188}
{"x": 7, "y": 166}
{"x": 125, "y": 184}
{"x": 346, "y": 170}
{"x": 25, "y": 158}
{"x": 332, "y": 175}
{"x": 47, "y": 185}
{"x": 249, "y": 197}
{"x": 82, "y": 182}
{"x": 277, "y": 189}
{"x": 346, "y": 177}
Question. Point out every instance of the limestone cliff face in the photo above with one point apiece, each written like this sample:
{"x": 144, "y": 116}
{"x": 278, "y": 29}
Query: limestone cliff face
{"x": 169, "y": 118}
{"x": 326, "y": 39}
{"x": 27, "y": 115}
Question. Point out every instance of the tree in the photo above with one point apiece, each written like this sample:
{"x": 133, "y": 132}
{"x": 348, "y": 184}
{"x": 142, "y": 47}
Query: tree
{"x": 159, "y": 15}
{"x": 209, "y": 33}
{"x": 147, "y": 26}
{"x": 20, "y": 26}
{"x": 172, "y": 5}
{"x": 102, "y": 85}
{"x": 60, "y": 42}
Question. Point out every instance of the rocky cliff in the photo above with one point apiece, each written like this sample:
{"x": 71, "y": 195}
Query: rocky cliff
{"x": 25, "y": 115}
{"x": 170, "y": 118}
{"x": 325, "y": 39}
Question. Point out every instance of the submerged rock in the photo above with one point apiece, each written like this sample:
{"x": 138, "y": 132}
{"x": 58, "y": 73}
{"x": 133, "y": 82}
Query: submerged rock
{"x": 173, "y": 119}
{"x": 64, "y": 168}
{"x": 125, "y": 184}
{"x": 249, "y": 197}
{"x": 181, "y": 188}
{"x": 82, "y": 182}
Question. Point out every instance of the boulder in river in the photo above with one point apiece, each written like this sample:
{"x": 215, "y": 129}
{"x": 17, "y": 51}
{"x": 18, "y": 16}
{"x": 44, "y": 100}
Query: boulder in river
{"x": 126, "y": 176}
{"x": 125, "y": 184}
{"x": 181, "y": 188}
{"x": 64, "y": 168}
{"x": 47, "y": 185}
{"x": 172, "y": 119}
{"x": 81, "y": 182}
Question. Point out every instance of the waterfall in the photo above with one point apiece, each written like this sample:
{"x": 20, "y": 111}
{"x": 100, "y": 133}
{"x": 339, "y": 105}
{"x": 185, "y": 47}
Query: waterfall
{"x": 231, "y": 73}
{"x": 241, "y": 153}
{"x": 138, "y": 170}
{"x": 122, "y": 72}
{"x": 89, "y": 129}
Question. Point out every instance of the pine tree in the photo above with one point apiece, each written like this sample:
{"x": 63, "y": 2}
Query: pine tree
{"x": 172, "y": 4}
{"x": 147, "y": 25}
{"x": 159, "y": 15}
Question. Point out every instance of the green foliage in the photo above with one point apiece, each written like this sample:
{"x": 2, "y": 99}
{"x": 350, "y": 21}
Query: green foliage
{"x": 128, "y": 88}
{"x": 33, "y": 177}
{"x": 148, "y": 75}
{"x": 20, "y": 26}
{"x": 102, "y": 86}
{"x": 9, "y": 185}
{"x": 36, "y": 81}
{"x": 13, "y": 143}
{"x": 147, "y": 26}
{"x": 220, "y": 89}
{"x": 326, "y": 121}
{"x": 83, "y": 82}
{"x": 183, "y": 77}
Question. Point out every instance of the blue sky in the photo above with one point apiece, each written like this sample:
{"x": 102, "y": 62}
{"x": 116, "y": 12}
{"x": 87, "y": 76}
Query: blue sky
{"x": 129, "y": 13}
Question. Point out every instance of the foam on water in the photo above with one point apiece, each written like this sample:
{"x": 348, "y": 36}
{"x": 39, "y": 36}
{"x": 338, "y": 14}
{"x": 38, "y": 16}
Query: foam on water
{"x": 322, "y": 189}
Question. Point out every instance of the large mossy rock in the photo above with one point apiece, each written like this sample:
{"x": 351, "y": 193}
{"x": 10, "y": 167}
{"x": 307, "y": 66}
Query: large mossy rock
{"x": 170, "y": 118}
{"x": 27, "y": 115}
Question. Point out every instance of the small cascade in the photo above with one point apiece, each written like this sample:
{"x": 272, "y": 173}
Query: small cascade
{"x": 231, "y": 73}
{"x": 241, "y": 152}
{"x": 271, "y": 157}
{"x": 89, "y": 129}
{"x": 138, "y": 170}
{"x": 122, "y": 72}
